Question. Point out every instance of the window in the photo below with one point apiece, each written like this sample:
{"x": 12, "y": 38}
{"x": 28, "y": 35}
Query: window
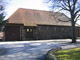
{"x": 29, "y": 30}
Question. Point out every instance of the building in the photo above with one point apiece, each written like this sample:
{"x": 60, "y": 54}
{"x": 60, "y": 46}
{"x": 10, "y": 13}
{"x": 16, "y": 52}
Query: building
{"x": 35, "y": 24}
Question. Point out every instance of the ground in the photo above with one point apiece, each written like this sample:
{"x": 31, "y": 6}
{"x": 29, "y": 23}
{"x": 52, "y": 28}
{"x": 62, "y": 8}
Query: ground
{"x": 31, "y": 50}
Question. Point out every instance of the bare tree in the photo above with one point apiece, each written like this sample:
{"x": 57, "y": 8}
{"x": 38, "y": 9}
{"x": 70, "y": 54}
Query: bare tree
{"x": 71, "y": 6}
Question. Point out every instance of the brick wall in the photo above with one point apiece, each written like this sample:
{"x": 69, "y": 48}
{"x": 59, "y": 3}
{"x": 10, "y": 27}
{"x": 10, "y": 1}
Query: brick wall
{"x": 52, "y": 32}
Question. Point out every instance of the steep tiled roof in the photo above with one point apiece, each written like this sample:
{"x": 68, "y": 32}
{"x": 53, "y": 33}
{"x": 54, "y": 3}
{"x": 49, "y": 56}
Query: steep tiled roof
{"x": 30, "y": 17}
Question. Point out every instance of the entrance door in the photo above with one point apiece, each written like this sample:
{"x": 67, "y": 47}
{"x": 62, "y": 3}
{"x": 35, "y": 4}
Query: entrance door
{"x": 29, "y": 33}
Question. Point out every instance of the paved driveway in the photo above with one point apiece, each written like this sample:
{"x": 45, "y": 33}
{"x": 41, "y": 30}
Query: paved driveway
{"x": 25, "y": 50}
{"x": 33, "y": 50}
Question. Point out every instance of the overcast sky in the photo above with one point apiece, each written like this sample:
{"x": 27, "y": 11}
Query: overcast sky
{"x": 28, "y": 4}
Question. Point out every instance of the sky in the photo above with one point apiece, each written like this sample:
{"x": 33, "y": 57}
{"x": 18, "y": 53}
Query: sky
{"x": 28, "y": 4}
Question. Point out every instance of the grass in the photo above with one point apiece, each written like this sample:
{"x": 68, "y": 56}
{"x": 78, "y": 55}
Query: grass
{"x": 71, "y": 54}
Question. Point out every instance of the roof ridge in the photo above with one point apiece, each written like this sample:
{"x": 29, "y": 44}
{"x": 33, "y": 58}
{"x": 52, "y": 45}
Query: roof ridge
{"x": 34, "y": 10}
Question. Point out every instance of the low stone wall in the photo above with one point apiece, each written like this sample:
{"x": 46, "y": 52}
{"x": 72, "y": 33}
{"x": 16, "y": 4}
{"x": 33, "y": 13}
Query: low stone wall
{"x": 51, "y": 54}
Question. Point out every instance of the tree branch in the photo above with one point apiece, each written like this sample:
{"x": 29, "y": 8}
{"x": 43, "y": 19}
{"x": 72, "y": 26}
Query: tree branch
{"x": 77, "y": 11}
{"x": 76, "y": 19}
{"x": 69, "y": 5}
{"x": 74, "y": 3}
{"x": 64, "y": 7}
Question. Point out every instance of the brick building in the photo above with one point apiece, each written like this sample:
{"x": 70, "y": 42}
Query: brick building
{"x": 35, "y": 24}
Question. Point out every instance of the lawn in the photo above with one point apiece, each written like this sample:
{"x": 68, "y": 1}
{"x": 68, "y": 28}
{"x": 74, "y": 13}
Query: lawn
{"x": 71, "y": 54}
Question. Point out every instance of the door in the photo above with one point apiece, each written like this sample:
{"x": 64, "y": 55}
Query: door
{"x": 77, "y": 32}
{"x": 29, "y": 32}
{"x": 12, "y": 33}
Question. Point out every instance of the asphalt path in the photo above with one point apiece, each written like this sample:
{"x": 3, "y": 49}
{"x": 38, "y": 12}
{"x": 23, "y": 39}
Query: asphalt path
{"x": 32, "y": 50}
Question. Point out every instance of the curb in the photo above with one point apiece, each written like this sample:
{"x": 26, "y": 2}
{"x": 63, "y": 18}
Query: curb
{"x": 51, "y": 54}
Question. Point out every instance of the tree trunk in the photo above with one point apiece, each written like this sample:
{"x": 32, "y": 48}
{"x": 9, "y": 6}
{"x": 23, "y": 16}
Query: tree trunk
{"x": 73, "y": 32}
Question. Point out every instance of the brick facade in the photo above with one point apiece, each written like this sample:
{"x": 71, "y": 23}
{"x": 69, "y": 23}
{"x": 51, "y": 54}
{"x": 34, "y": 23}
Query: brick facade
{"x": 53, "y": 32}
{"x": 19, "y": 32}
{"x": 27, "y": 24}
